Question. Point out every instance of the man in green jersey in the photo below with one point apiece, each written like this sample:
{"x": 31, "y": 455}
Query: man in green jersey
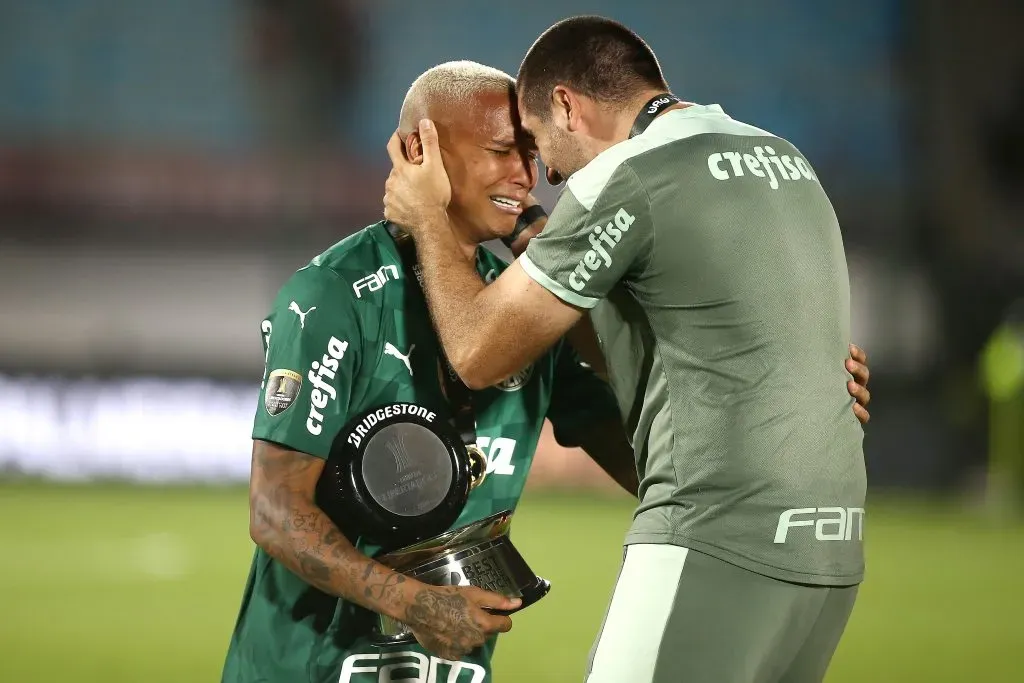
{"x": 712, "y": 264}
{"x": 350, "y": 331}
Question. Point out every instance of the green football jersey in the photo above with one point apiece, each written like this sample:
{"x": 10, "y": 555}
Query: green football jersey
{"x": 347, "y": 333}
{"x": 714, "y": 265}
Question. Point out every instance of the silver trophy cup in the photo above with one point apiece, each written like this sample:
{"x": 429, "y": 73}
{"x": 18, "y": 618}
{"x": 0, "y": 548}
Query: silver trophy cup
{"x": 478, "y": 554}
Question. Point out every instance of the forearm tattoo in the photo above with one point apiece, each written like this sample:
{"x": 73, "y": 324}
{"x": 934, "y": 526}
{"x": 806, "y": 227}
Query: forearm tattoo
{"x": 445, "y": 620}
{"x": 294, "y": 531}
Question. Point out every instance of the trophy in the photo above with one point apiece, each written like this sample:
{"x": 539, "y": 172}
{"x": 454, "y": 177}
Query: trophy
{"x": 399, "y": 476}
{"x": 477, "y": 554}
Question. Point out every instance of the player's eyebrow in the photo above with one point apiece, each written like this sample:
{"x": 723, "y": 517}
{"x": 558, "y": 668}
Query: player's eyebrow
{"x": 504, "y": 141}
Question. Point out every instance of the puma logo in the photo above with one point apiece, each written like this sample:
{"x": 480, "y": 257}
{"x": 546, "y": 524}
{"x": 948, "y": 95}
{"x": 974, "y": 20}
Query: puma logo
{"x": 294, "y": 308}
{"x": 390, "y": 350}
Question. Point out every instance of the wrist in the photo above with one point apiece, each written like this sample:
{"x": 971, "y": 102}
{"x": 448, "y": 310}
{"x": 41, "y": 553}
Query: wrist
{"x": 527, "y": 218}
{"x": 399, "y": 611}
{"x": 431, "y": 227}
{"x": 435, "y": 218}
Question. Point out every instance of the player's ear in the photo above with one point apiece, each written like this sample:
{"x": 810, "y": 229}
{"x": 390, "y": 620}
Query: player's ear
{"x": 564, "y": 107}
{"x": 414, "y": 147}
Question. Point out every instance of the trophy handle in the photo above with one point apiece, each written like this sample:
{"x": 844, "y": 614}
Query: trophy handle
{"x": 380, "y": 640}
{"x": 529, "y": 596}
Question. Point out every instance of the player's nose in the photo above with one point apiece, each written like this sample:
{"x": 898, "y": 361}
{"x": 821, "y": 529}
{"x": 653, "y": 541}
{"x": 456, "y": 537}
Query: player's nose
{"x": 524, "y": 173}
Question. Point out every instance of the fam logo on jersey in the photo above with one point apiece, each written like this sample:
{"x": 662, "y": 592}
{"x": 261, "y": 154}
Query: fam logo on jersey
{"x": 374, "y": 281}
{"x": 600, "y": 257}
{"x": 517, "y": 381}
{"x": 830, "y": 523}
{"x": 282, "y": 388}
{"x": 762, "y": 163}
{"x": 321, "y": 375}
{"x": 409, "y": 666}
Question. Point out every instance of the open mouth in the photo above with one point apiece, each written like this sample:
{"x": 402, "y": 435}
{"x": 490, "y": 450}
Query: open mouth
{"x": 507, "y": 204}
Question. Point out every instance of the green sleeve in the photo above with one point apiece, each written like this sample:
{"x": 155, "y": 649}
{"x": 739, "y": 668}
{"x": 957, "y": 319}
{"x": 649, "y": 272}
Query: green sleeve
{"x": 312, "y": 343}
{"x": 594, "y": 238}
{"x": 580, "y": 400}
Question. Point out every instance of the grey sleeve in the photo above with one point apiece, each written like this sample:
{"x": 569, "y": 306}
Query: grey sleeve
{"x": 595, "y": 237}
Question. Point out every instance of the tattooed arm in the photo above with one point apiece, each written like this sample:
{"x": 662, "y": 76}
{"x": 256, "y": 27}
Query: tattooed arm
{"x": 285, "y": 521}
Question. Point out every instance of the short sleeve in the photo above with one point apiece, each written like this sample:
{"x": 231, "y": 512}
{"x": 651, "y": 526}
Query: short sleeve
{"x": 598, "y": 234}
{"x": 579, "y": 399}
{"x": 311, "y": 341}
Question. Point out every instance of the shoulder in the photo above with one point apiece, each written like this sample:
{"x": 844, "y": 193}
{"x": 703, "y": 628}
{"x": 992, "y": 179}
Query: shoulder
{"x": 338, "y": 268}
{"x": 349, "y": 259}
{"x": 615, "y": 167}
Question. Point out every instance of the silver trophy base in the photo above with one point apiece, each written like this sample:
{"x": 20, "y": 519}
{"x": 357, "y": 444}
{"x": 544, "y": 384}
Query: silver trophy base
{"x": 478, "y": 554}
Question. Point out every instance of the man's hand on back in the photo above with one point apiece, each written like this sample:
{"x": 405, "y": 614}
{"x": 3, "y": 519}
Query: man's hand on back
{"x": 857, "y": 365}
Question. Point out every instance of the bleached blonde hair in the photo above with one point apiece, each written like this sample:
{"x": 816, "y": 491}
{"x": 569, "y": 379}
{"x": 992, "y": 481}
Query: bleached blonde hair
{"x": 450, "y": 86}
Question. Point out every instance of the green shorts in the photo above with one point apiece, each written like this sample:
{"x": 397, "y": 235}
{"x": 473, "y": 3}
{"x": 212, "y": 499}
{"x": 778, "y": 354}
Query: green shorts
{"x": 680, "y": 616}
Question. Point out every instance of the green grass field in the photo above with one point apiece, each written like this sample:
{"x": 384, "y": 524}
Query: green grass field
{"x": 120, "y": 584}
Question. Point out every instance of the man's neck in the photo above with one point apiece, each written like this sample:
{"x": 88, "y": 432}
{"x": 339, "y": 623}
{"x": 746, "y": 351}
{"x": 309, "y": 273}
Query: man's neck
{"x": 622, "y": 120}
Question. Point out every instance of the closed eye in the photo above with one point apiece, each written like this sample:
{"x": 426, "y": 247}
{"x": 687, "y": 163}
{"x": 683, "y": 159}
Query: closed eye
{"x": 527, "y": 153}
{"x": 505, "y": 151}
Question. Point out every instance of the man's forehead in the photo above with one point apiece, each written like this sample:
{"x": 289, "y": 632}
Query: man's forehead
{"x": 522, "y": 109}
{"x": 525, "y": 130}
{"x": 527, "y": 121}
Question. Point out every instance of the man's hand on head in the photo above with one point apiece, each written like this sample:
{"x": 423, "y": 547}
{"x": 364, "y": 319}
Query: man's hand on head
{"x": 416, "y": 195}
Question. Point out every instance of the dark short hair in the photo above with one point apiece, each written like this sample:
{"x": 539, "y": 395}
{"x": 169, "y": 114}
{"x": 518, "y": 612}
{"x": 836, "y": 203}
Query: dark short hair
{"x": 595, "y": 56}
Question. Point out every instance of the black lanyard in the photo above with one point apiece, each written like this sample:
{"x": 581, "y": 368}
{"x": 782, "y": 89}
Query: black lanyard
{"x": 460, "y": 398}
{"x": 654, "y": 106}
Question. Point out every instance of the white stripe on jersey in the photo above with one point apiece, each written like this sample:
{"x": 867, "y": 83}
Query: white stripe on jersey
{"x": 554, "y": 286}
{"x": 627, "y": 649}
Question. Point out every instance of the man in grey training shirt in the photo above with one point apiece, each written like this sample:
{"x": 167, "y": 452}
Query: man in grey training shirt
{"x": 712, "y": 264}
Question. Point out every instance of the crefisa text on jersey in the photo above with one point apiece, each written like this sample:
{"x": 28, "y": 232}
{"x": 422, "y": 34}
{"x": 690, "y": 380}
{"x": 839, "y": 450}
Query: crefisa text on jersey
{"x": 323, "y": 390}
{"x": 599, "y": 257}
{"x": 762, "y": 163}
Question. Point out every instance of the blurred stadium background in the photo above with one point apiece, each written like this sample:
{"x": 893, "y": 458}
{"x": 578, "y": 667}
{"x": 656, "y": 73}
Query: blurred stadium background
{"x": 165, "y": 165}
